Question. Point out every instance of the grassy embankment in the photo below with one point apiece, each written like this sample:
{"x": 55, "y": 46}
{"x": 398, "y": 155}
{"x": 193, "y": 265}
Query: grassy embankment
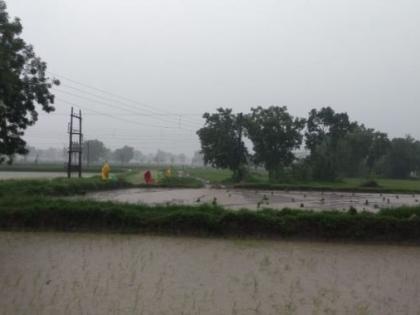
{"x": 136, "y": 178}
{"x": 259, "y": 180}
{"x": 29, "y": 205}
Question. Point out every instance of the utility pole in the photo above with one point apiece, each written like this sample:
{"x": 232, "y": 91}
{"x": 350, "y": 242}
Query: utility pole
{"x": 240, "y": 126}
{"x": 75, "y": 147}
{"x": 88, "y": 153}
{"x": 239, "y": 148}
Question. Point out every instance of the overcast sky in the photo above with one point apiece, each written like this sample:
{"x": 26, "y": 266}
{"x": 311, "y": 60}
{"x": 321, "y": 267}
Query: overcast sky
{"x": 180, "y": 58}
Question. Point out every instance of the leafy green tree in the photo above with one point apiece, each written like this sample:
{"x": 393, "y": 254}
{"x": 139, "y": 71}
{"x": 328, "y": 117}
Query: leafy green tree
{"x": 93, "y": 151}
{"x": 379, "y": 147}
{"x": 325, "y": 128}
{"x": 221, "y": 141}
{"x": 274, "y": 134}
{"x": 124, "y": 154}
{"x": 326, "y": 123}
{"x": 359, "y": 150}
{"x": 23, "y": 84}
{"x": 403, "y": 157}
{"x": 323, "y": 161}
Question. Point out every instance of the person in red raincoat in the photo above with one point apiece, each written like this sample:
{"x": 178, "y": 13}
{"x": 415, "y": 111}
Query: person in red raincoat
{"x": 148, "y": 177}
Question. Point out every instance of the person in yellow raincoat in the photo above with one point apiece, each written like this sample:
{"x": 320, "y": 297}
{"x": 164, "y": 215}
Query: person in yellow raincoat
{"x": 168, "y": 172}
{"x": 105, "y": 171}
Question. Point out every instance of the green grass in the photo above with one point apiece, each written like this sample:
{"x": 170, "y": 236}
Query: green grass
{"x": 73, "y": 186}
{"x": 42, "y": 213}
{"x": 33, "y": 204}
{"x": 212, "y": 175}
{"x": 136, "y": 177}
{"x": 180, "y": 182}
{"x": 57, "y": 186}
{"x": 259, "y": 180}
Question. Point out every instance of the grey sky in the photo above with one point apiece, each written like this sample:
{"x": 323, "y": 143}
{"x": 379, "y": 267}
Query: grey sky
{"x": 190, "y": 56}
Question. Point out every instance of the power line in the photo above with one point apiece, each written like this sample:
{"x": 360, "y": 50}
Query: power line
{"x": 112, "y": 106}
{"x": 121, "y": 114}
{"x": 126, "y": 106}
{"x": 106, "y": 92}
{"x": 106, "y": 140}
{"x": 116, "y": 118}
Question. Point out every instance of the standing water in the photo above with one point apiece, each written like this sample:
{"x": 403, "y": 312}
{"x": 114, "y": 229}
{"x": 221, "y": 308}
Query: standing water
{"x": 60, "y": 273}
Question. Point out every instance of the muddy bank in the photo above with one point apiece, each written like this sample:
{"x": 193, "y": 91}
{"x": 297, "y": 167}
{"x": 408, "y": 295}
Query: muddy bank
{"x": 59, "y": 273}
{"x": 244, "y": 198}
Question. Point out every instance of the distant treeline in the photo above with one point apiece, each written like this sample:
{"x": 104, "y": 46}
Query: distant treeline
{"x": 336, "y": 146}
{"x": 96, "y": 152}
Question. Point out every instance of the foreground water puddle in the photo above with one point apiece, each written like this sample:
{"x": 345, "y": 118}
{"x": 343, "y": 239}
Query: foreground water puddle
{"x": 82, "y": 273}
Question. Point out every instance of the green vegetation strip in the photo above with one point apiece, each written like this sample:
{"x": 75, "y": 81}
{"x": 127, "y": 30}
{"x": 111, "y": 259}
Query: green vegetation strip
{"x": 30, "y": 204}
{"x": 75, "y": 186}
{"x": 57, "y": 187}
{"x": 44, "y": 213}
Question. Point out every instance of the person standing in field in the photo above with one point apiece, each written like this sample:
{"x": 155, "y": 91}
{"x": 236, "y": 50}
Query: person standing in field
{"x": 148, "y": 179}
{"x": 105, "y": 171}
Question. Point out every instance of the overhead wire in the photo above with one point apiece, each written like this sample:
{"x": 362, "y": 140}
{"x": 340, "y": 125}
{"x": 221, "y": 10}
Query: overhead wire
{"x": 116, "y": 118}
{"x": 126, "y": 107}
{"x": 109, "y": 93}
{"x": 110, "y": 115}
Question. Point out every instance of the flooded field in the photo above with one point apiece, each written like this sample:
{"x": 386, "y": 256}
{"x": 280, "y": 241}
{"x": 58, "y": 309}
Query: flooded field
{"x": 35, "y": 175}
{"x": 237, "y": 198}
{"x": 59, "y": 273}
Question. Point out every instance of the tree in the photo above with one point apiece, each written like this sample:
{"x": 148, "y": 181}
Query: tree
{"x": 326, "y": 123}
{"x": 221, "y": 141}
{"x": 23, "y": 84}
{"x": 359, "y": 150}
{"x": 403, "y": 157}
{"x": 93, "y": 151}
{"x": 124, "y": 154}
{"x": 274, "y": 134}
{"x": 379, "y": 148}
{"x": 324, "y": 130}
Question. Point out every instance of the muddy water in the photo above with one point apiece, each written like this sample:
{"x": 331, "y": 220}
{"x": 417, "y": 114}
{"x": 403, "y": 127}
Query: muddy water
{"x": 59, "y": 273}
{"x": 251, "y": 199}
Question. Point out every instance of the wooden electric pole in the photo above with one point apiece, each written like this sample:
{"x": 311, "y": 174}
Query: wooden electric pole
{"x": 75, "y": 145}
